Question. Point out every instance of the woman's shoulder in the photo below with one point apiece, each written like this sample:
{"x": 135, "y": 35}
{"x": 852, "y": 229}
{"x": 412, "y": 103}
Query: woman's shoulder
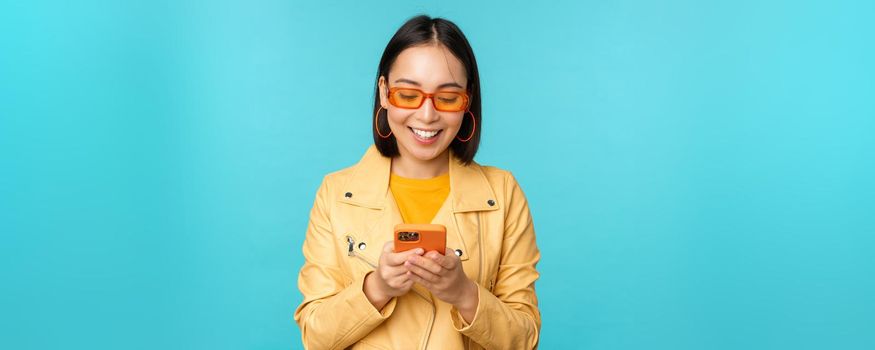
{"x": 339, "y": 176}
{"x": 498, "y": 177}
{"x": 506, "y": 188}
{"x": 492, "y": 171}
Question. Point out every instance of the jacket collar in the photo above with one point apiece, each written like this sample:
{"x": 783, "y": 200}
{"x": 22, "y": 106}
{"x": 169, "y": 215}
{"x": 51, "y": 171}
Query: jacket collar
{"x": 369, "y": 184}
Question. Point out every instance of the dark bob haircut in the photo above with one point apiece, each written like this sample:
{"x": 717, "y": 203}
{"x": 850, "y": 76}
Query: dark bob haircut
{"x": 424, "y": 30}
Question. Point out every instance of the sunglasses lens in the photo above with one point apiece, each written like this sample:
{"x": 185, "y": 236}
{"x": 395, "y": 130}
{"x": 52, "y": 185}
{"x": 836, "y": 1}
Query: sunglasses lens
{"x": 406, "y": 98}
{"x": 450, "y": 101}
{"x": 447, "y": 101}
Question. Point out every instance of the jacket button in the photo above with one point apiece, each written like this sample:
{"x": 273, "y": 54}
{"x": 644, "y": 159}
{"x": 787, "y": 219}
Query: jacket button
{"x": 362, "y": 246}
{"x": 490, "y": 202}
{"x": 458, "y": 252}
{"x": 348, "y": 195}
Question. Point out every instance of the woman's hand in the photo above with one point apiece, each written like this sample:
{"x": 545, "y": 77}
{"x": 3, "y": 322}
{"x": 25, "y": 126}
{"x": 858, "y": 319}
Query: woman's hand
{"x": 391, "y": 278}
{"x": 443, "y": 276}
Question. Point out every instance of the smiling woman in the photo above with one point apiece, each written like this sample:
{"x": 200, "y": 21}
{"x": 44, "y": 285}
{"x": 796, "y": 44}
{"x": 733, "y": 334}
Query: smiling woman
{"x": 427, "y": 56}
{"x": 406, "y": 98}
{"x": 477, "y": 293}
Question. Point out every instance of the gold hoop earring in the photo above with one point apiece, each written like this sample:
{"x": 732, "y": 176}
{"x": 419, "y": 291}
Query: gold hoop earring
{"x": 473, "y": 127}
{"x": 377, "y": 125}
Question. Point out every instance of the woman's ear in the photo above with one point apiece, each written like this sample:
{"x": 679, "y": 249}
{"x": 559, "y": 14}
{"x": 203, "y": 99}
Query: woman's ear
{"x": 383, "y": 97}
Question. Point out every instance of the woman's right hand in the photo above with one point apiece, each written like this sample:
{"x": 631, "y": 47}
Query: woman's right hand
{"x": 390, "y": 279}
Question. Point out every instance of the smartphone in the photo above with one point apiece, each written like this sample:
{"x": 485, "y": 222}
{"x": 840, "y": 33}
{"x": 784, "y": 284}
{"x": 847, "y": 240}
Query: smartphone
{"x": 426, "y": 236}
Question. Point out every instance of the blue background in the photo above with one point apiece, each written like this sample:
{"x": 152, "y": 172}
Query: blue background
{"x": 700, "y": 174}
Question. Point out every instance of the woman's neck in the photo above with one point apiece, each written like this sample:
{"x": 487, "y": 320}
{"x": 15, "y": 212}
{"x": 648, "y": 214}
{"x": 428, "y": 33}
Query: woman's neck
{"x": 405, "y": 165}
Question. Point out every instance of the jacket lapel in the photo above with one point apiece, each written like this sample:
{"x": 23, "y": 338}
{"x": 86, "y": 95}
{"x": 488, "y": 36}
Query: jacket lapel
{"x": 369, "y": 183}
{"x": 469, "y": 188}
{"x": 368, "y": 187}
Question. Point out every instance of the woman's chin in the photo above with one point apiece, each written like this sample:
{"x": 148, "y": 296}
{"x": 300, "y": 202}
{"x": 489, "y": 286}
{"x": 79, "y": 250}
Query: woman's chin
{"x": 426, "y": 153}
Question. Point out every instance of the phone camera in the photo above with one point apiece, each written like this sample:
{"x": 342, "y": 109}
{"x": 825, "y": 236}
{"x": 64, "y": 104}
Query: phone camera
{"x": 406, "y": 236}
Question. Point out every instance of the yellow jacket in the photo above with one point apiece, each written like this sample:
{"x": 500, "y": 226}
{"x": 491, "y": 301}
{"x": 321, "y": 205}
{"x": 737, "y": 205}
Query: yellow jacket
{"x": 488, "y": 222}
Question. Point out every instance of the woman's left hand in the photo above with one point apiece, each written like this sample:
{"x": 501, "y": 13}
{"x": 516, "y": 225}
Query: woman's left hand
{"x": 443, "y": 276}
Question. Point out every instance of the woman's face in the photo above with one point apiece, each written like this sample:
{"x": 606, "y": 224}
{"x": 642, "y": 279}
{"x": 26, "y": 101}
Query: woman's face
{"x": 428, "y": 68}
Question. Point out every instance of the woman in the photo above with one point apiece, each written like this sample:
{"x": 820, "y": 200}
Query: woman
{"x": 479, "y": 293}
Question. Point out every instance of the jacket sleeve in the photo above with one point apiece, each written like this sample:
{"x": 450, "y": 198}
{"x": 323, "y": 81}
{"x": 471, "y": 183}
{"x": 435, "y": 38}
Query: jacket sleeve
{"x": 508, "y": 317}
{"x": 333, "y": 314}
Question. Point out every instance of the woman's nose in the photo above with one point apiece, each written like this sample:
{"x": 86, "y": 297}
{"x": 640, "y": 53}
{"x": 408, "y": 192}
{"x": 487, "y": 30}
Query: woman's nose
{"x": 428, "y": 113}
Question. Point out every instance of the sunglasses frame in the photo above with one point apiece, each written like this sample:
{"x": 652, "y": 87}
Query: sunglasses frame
{"x": 426, "y": 95}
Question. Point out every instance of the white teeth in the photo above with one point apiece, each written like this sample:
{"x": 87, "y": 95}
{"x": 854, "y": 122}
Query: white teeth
{"x": 425, "y": 134}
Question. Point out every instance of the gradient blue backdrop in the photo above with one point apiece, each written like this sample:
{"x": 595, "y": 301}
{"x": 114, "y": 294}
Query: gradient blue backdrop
{"x": 700, "y": 174}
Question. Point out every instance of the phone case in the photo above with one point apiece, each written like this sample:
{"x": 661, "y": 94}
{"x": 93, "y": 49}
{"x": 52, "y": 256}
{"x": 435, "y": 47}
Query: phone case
{"x": 427, "y": 236}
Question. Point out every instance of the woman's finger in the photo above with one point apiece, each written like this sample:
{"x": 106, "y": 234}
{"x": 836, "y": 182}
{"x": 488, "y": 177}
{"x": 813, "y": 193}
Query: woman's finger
{"x": 399, "y": 258}
{"x": 416, "y": 278}
{"x": 422, "y": 273}
{"x": 390, "y": 272}
{"x": 447, "y": 261}
{"x": 427, "y": 264}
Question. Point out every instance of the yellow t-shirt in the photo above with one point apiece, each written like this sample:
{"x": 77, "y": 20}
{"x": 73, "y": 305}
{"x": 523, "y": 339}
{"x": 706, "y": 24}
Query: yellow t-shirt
{"x": 419, "y": 199}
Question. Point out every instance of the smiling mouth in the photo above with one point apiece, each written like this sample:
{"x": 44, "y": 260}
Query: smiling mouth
{"x": 425, "y": 135}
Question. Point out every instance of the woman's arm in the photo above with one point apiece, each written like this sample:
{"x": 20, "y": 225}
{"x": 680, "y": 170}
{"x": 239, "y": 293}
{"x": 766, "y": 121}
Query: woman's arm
{"x": 508, "y": 317}
{"x": 332, "y": 315}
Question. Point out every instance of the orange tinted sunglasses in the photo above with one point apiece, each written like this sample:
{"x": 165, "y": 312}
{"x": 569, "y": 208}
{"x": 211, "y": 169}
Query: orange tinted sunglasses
{"x": 444, "y": 101}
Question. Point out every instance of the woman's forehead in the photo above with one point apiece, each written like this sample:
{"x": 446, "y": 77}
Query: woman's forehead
{"x": 429, "y": 67}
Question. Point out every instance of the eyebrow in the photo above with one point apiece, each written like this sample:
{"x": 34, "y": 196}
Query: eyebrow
{"x": 441, "y": 86}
